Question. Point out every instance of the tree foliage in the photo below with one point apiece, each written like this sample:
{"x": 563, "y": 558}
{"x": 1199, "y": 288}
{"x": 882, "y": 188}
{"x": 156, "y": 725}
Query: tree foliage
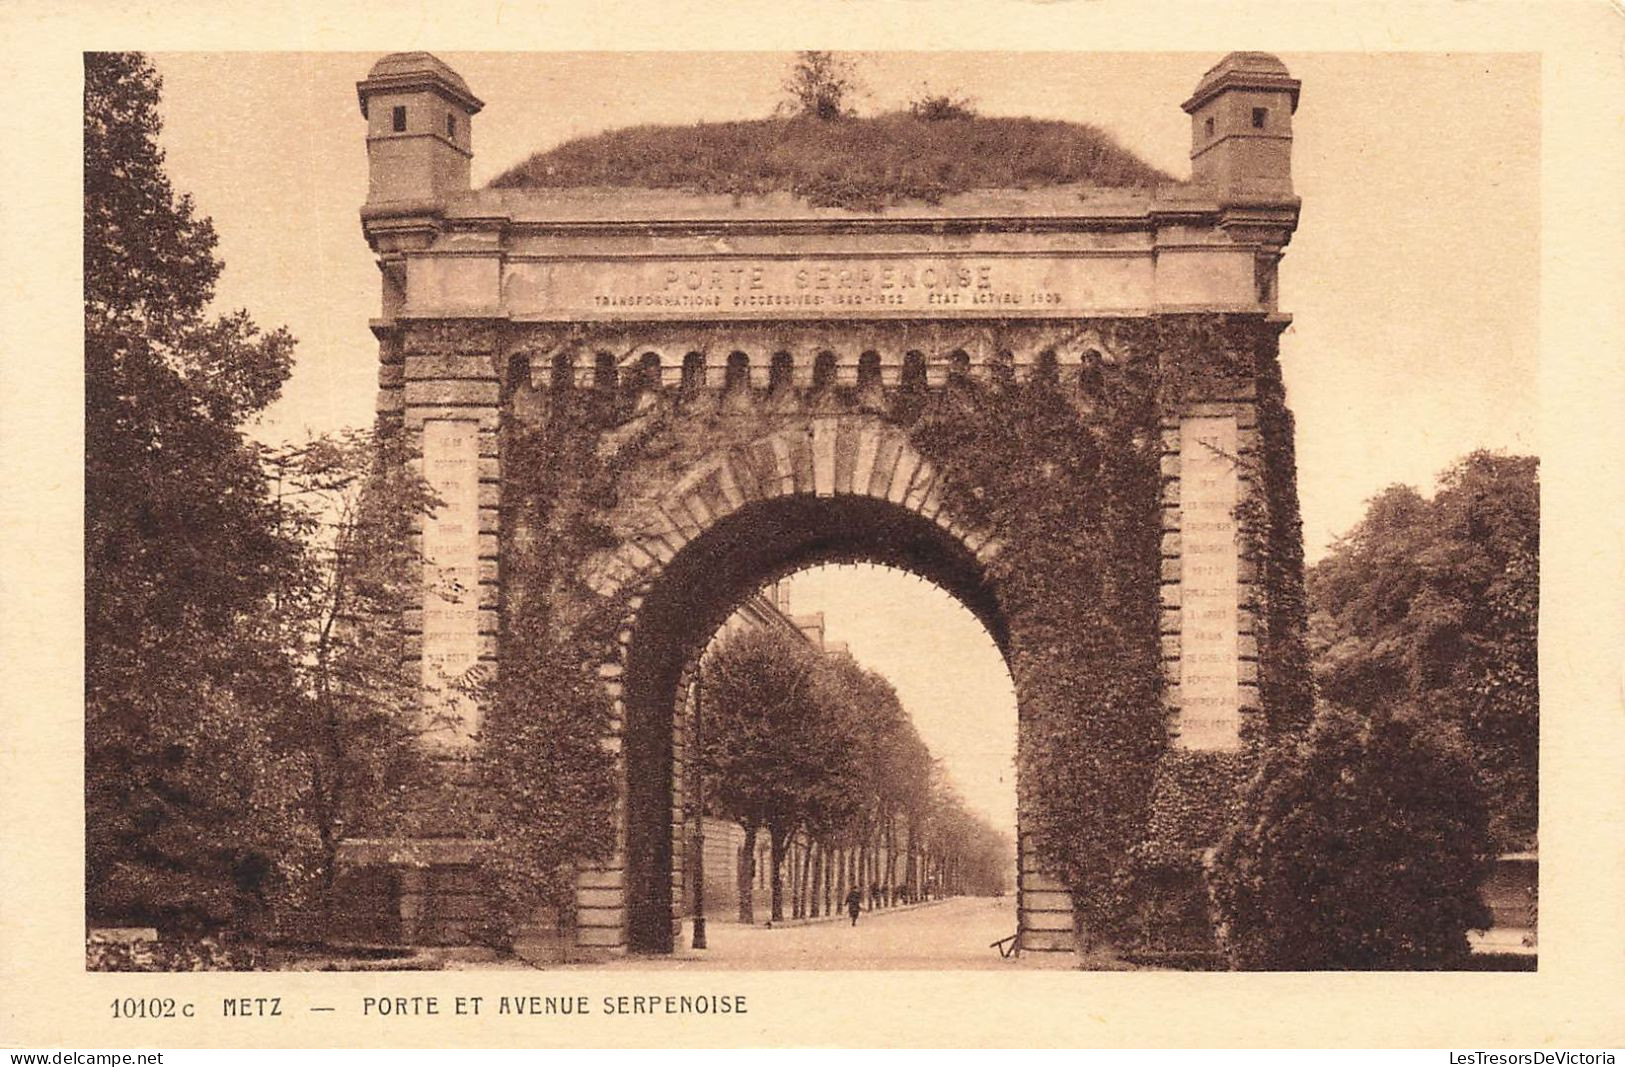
{"x": 358, "y": 723}
{"x": 779, "y": 743}
{"x": 820, "y": 86}
{"x": 1362, "y": 847}
{"x": 1436, "y": 603}
{"x": 190, "y": 819}
{"x": 894, "y": 764}
{"x": 929, "y": 105}
{"x": 981, "y": 855}
{"x": 796, "y": 741}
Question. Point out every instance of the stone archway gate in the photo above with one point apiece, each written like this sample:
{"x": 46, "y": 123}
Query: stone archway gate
{"x": 760, "y": 303}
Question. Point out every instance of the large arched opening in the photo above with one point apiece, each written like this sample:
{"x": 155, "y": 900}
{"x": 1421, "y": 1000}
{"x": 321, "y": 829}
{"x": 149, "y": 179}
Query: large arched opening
{"x": 697, "y": 590}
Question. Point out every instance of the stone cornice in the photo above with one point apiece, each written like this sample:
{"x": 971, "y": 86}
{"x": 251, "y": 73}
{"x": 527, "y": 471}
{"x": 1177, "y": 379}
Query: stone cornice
{"x": 590, "y": 255}
{"x": 602, "y": 212}
{"x": 1065, "y": 207}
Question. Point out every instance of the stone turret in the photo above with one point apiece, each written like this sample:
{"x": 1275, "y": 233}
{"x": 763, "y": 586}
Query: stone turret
{"x": 419, "y": 116}
{"x": 1241, "y": 125}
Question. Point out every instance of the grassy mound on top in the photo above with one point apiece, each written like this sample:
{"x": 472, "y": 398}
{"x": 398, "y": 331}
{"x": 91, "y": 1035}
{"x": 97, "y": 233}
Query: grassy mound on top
{"x": 856, "y": 163}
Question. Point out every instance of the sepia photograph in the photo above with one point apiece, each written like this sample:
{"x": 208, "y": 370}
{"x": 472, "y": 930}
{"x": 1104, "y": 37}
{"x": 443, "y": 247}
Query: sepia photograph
{"x": 883, "y": 525}
{"x": 810, "y": 510}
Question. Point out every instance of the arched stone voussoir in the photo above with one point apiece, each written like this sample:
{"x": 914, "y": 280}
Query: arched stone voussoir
{"x": 707, "y": 493}
{"x": 821, "y": 458}
{"x": 636, "y": 557}
{"x": 633, "y": 564}
{"x": 603, "y": 581}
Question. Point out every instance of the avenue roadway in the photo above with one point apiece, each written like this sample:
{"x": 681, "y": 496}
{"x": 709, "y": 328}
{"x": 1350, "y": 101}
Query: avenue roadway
{"x": 945, "y": 935}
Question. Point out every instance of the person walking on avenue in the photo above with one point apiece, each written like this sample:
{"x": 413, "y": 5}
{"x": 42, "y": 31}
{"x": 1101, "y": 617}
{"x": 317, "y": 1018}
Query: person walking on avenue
{"x": 854, "y": 903}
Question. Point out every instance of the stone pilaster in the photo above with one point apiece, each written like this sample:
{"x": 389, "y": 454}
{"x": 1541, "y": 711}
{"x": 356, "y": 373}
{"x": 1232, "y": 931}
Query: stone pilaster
{"x": 600, "y": 900}
{"x": 1209, "y": 644}
{"x": 1043, "y": 904}
{"x": 390, "y": 407}
{"x": 450, "y": 412}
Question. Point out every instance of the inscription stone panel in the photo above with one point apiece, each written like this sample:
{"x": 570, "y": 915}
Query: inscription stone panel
{"x": 827, "y": 286}
{"x": 451, "y": 560}
{"x": 1210, "y": 690}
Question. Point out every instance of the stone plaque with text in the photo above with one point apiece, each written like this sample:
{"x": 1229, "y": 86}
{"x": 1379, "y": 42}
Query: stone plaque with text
{"x": 826, "y": 286}
{"x": 1209, "y": 684}
{"x": 451, "y": 639}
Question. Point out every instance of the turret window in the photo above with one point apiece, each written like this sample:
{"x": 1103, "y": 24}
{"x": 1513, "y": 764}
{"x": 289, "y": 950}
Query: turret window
{"x": 1207, "y": 127}
{"x": 451, "y": 125}
{"x": 397, "y": 119}
{"x": 1261, "y": 115}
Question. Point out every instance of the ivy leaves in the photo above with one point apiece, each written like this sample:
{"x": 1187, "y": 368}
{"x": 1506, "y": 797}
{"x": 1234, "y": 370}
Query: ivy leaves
{"x": 1076, "y": 504}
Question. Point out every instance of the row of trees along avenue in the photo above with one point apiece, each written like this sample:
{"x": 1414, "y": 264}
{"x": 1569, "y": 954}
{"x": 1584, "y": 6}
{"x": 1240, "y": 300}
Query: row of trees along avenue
{"x": 798, "y": 743}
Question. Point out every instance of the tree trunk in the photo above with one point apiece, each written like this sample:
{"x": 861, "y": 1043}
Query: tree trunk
{"x": 747, "y": 878}
{"x": 776, "y": 841}
{"x": 888, "y": 886}
{"x": 800, "y": 908}
{"x": 792, "y": 864}
{"x": 911, "y": 870}
{"x": 871, "y": 873}
{"x": 814, "y": 868}
{"x": 798, "y": 883}
{"x": 826, "y": 858}
{"x": 815, "y": 888}
{"x": 806, "y": 909}
{"x": 863, "y": 874}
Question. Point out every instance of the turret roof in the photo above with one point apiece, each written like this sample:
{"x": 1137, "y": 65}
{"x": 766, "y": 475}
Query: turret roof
{"x": 403, "y": 70}
{"x": 1244, "y": 70}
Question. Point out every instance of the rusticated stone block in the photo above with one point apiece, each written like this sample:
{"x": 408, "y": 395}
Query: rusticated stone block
{"x": 451, "y": 366}
{"x": 452, "y": 392}
{"x": 487, "y": 416}
{"x": 1037, "y": 922}
{"x": 604, "y": 937}
{"x": 1047, "y": 940}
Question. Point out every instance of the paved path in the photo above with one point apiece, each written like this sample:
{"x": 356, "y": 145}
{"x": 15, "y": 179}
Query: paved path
{"x": 949, "y": 935}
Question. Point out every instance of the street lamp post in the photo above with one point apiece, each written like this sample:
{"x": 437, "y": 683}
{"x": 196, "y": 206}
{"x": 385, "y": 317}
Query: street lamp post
{"x": 699, "y": 818}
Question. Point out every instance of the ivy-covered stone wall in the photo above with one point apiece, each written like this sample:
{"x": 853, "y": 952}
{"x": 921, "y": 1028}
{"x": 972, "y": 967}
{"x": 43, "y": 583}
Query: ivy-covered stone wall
{"x": 1034, "y": 447}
